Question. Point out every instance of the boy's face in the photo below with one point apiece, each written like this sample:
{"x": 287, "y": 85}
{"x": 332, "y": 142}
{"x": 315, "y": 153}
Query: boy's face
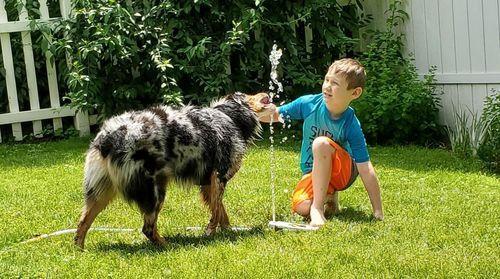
{"x": 335, "y": 90}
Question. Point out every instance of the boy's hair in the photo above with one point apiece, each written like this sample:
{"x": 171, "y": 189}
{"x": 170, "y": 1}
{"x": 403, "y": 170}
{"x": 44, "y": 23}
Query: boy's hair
{"x": 350, "y": 69}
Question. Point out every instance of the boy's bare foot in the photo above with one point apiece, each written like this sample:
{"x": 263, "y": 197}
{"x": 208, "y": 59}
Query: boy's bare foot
{"x": 317, "y": 217}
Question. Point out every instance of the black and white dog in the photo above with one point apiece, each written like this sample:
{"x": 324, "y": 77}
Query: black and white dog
{"x": 138, "y": 153}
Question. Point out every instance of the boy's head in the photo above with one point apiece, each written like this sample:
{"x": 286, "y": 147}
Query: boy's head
{"x": 344, "y": 81}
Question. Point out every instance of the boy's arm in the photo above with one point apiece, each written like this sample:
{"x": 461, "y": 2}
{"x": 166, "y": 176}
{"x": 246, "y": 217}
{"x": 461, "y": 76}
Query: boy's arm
{"x": 370, "y": 181}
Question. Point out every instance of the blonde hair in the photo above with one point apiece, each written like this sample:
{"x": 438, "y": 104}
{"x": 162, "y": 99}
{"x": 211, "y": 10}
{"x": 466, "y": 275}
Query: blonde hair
{"x": 350, "y": 69}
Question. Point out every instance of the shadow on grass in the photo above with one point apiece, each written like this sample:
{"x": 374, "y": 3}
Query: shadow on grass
{"x": 178, "y": 241}
{"x": 351, "y": 214}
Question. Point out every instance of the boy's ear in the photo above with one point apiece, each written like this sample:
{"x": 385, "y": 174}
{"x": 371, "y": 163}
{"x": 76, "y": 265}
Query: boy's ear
{"x": 356, "y": 93}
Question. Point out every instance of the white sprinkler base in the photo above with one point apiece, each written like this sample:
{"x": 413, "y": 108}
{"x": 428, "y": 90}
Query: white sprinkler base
{"x": 291, "y": 226}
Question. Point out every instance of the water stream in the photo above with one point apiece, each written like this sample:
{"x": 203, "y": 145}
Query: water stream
{"x": 274, "y": 84}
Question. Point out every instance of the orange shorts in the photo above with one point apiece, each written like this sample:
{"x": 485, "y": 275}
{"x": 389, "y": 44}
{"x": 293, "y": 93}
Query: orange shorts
{"x": 344, "y": 172}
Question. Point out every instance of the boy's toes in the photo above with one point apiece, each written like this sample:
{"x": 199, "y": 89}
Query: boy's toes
{"x": 317, "y": 218}
{"x": 317, "y": 224}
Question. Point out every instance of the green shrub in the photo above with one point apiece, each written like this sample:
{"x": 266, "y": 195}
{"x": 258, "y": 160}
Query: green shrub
{"x": 489, "y": 151}
{"x": 459, "y": 136}
{"x": 467, "y": 133}
{"x": 396, "y": 107}
{"x": 129, "y": 56}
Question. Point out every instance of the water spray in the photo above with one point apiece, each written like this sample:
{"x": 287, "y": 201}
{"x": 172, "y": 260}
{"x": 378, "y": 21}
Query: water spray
{"x": 274, "y": 58}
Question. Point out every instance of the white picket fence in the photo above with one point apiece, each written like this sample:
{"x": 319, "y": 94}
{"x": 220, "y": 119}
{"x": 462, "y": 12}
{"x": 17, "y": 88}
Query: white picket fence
{"x": 15, "y": 117}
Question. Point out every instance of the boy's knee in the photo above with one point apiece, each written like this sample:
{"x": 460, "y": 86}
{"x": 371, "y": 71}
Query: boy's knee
{"x": 322, "y": 145}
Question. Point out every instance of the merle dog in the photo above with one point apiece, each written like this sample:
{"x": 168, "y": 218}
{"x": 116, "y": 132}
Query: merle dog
{"x": 136, "y": 154}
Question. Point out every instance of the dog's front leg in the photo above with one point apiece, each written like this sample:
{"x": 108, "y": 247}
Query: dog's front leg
{"x": 150, "y": 227}
{"x": 223, "y": 218}
{"x": 212, "y": 196}
{"x": 210, "y": 193}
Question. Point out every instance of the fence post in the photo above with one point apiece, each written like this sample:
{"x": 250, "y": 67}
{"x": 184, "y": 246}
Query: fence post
{"x": 10, "y": 78}
{"x": 30, "y": 70}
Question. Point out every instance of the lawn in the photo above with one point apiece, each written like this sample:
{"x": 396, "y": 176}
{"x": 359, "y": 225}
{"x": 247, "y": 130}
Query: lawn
{"x": 442, "y": 219}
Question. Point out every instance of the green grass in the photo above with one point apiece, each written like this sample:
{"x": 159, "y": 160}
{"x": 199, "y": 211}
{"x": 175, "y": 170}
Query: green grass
{"x": 441, "y": 220}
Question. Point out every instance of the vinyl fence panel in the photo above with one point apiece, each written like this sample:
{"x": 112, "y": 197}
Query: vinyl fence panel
{"x": 462, "y": 39}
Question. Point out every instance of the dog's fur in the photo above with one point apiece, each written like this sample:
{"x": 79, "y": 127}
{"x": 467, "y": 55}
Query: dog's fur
{"x": 138, "y": 153}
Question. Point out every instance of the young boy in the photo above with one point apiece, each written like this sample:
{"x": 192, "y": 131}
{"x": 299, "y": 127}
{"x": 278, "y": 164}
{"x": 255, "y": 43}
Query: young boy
{"x": 333, "y": 146}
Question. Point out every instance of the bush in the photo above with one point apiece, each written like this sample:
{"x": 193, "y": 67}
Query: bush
{"x": 467, "y": 133}
{"x": 489, "y": 151}
{"x": 397, "y": 107}
{"x": 129, "y": 56}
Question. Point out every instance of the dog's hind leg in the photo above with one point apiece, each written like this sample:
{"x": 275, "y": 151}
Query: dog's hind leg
{"x": 150, "y": 227}
{"x": 89, "y": 212}
{"x": 98, "y": 193}
{"x": 212, "y": 196}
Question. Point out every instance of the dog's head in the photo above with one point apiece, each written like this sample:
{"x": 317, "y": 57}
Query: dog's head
{"x": 260, "y": 103}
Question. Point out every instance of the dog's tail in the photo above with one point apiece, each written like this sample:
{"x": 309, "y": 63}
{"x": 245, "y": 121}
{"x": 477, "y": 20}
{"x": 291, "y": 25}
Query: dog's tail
{"x": 105, "y": 158}
{"x": 125, "y": 161}
{"x": 97, "y": 180}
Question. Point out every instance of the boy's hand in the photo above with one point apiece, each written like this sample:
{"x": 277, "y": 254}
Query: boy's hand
{"x": 378, "y": 215}
{"x": 276, "y": 116}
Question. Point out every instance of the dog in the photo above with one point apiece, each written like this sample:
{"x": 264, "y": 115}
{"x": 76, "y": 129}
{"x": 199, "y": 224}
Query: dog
{"x": 136, "y": 154}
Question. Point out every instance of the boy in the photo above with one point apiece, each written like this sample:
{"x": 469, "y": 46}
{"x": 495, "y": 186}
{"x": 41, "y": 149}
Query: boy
{"x": 333, "y": 146}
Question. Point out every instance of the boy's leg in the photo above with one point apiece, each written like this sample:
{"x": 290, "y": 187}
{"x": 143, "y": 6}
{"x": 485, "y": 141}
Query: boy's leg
{"x": 321, "y": 173}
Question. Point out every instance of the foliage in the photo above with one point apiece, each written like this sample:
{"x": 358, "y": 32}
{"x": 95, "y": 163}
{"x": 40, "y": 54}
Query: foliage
{"x": 474, "y": 136}
{"x": 396, "y": 107}
{"x": 458, "y": 135}
{"x": 489, "y": 151}
{"x": 467, "y": 133}
{"x": 131, "y": 55}
{"x": 49, "y": 134}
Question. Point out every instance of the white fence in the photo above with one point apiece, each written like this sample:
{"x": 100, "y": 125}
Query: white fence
{"x": 462, "y": 39}
{"x": 15, "y": 117}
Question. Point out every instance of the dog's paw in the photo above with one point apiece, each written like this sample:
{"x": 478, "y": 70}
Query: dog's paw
{"x": 210, "y": 230}
{"x": 79, "y": 243}
{"x": 159, "y": 241}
